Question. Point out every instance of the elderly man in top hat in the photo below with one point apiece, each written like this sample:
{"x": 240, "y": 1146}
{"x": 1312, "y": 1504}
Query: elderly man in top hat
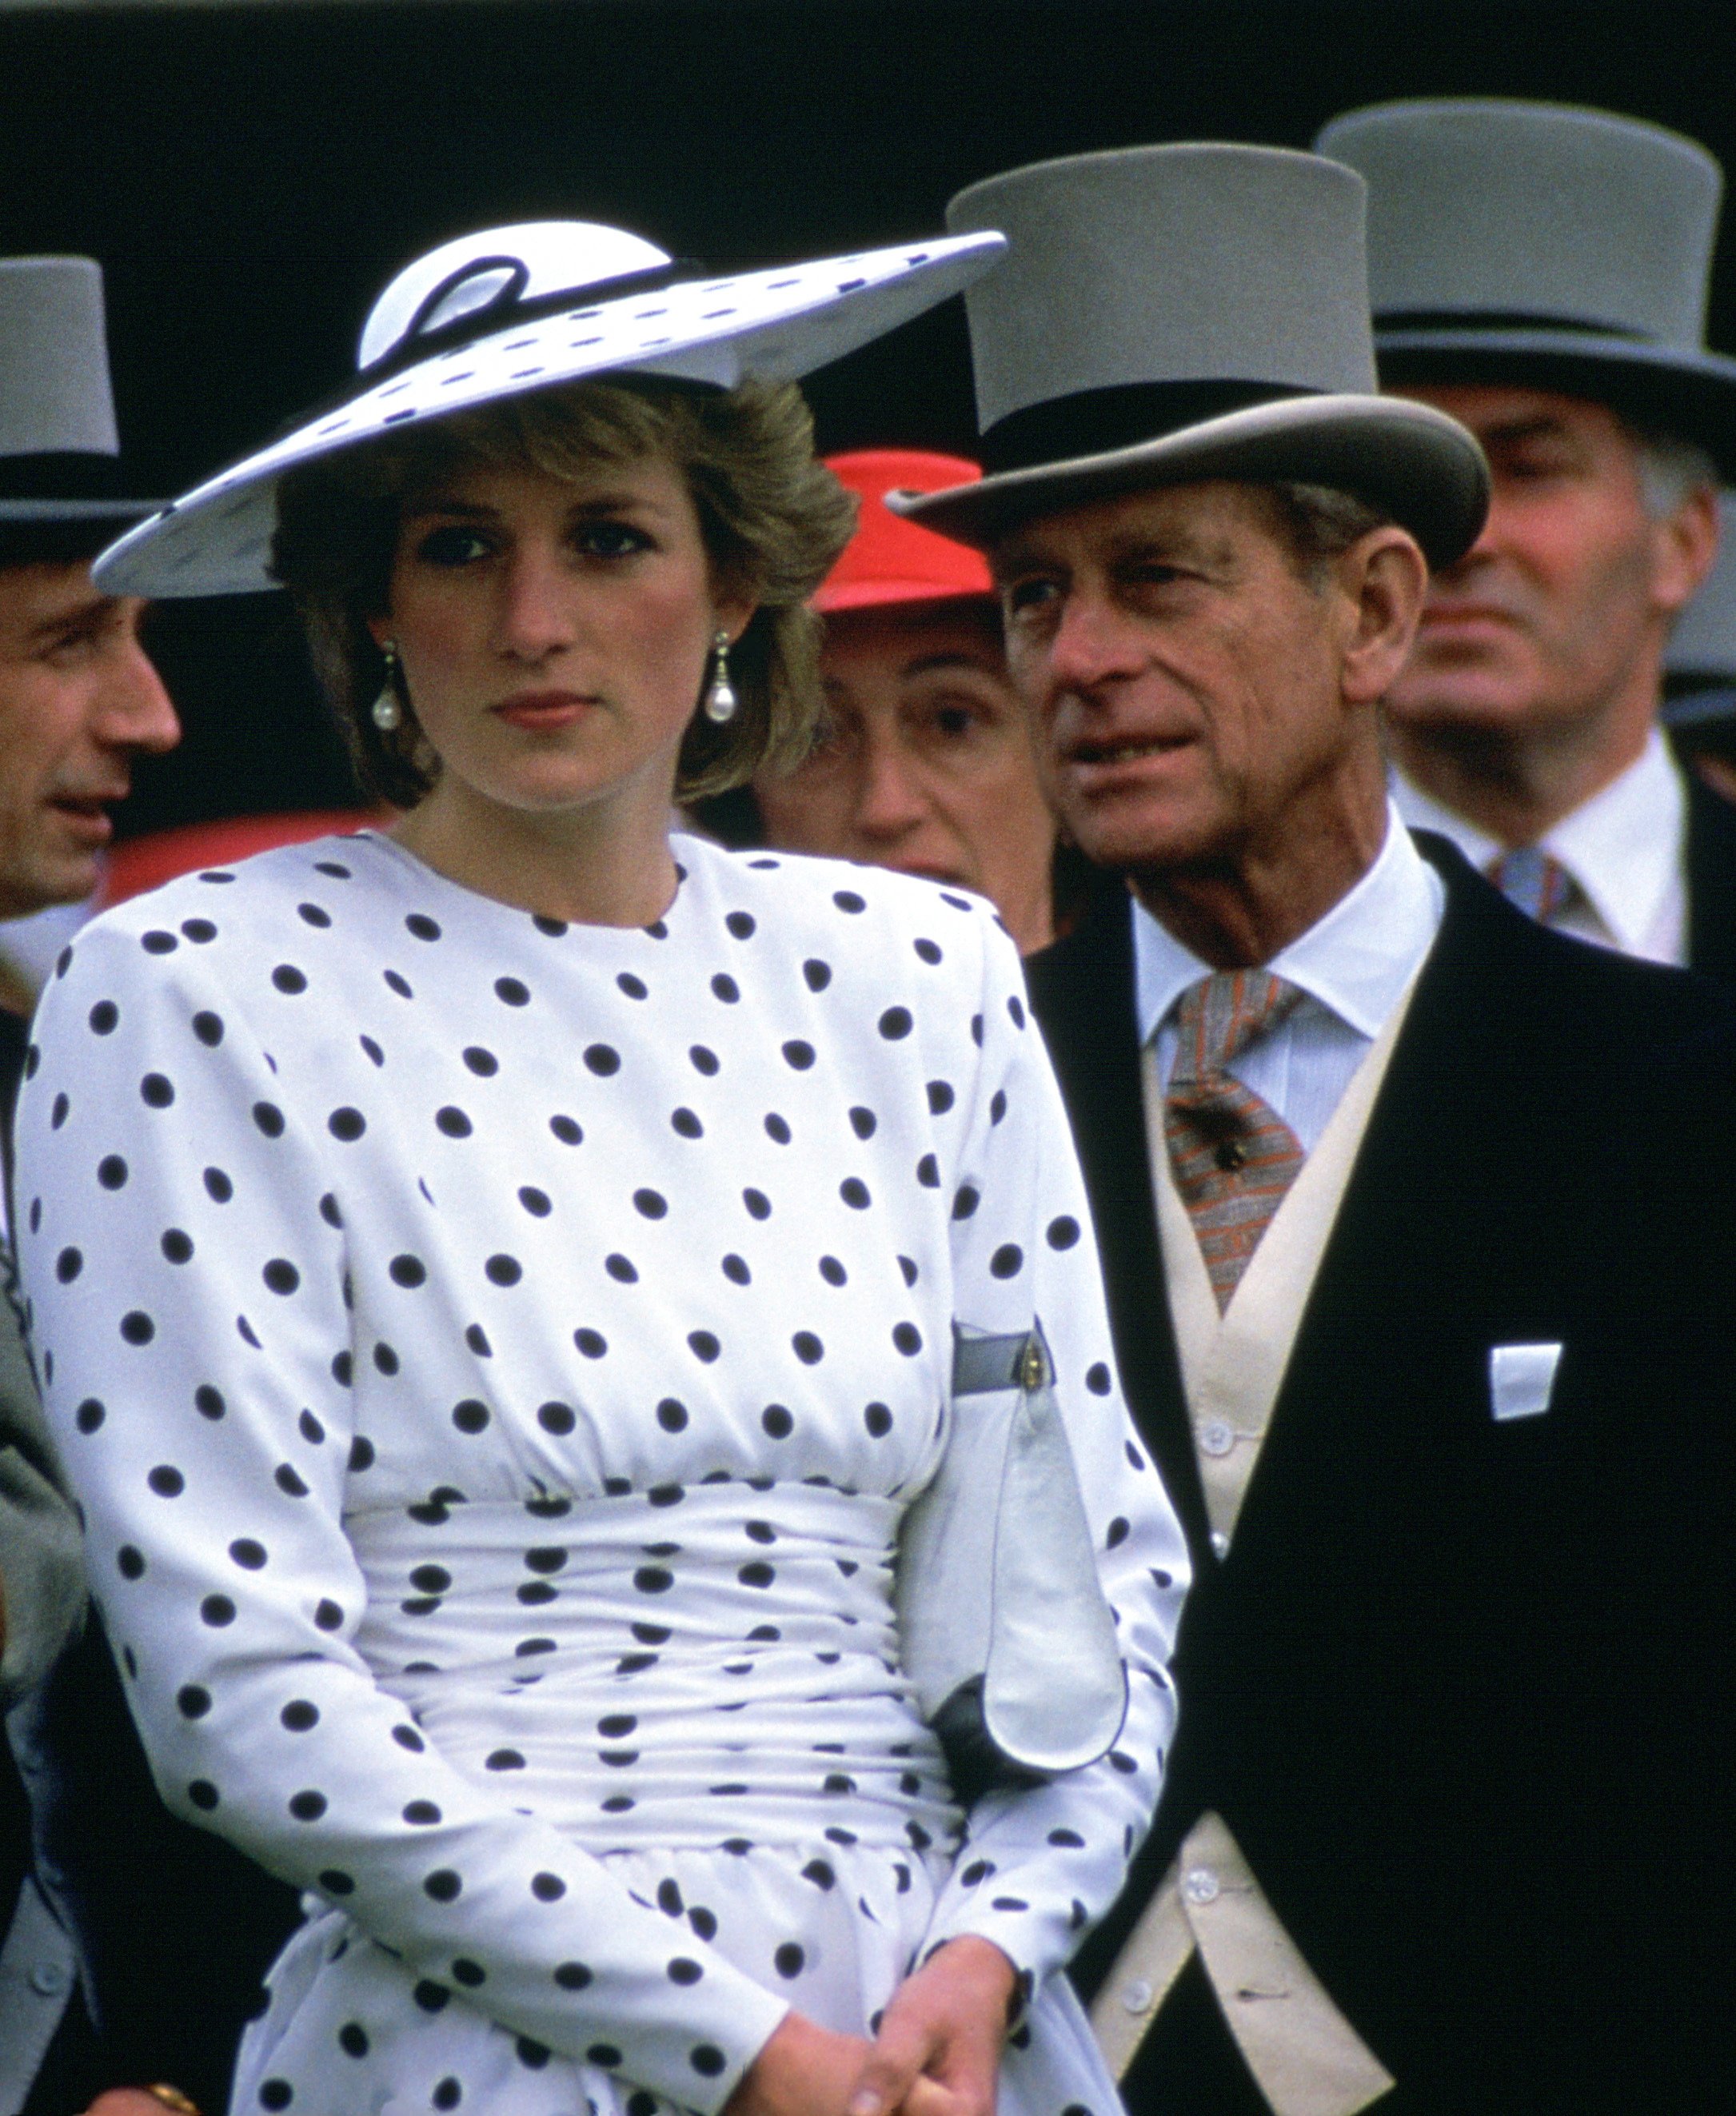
{"x": 1439, "y": 1830}
{"x": 1541, "y": 273}
{"x": 164, "y": 1942}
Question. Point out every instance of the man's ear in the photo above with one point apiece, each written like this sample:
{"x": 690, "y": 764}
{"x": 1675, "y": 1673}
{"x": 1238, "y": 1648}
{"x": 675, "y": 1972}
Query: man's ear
{"x": 1383, "y": 578}
{"x": 1685, "y": 543}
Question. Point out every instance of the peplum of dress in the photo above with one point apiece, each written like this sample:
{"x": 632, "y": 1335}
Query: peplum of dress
{"x": 494, "y": 1356}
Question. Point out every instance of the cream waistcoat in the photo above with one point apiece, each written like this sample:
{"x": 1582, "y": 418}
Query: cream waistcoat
{"x": 1308, "y": 2058}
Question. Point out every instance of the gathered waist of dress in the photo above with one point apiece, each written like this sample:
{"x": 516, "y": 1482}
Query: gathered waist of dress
{"x": 693, "y": 1665}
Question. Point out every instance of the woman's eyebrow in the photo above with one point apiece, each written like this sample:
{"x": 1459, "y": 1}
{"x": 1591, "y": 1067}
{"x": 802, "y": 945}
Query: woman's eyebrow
{"x": 618, "y": 503}
{"x": 463, "y": 510}
{"x": 923, "y": 664}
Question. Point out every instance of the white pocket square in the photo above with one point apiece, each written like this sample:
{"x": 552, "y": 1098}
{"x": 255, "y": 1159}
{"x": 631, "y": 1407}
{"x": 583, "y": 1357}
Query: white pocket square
{"x": 1521, "y": 1377}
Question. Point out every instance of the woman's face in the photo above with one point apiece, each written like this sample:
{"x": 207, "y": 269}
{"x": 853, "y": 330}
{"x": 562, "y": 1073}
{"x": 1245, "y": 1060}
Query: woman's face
{"x": 926, "y": 765}
{"x": 553, "y": 632}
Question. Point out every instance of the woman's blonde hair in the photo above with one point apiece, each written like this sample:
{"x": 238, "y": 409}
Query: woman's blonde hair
{"x": 772, "y": 516}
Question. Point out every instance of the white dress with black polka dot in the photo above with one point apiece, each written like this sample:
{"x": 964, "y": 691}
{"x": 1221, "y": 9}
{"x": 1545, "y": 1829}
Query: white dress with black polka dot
{"x": 494, "y": 1356}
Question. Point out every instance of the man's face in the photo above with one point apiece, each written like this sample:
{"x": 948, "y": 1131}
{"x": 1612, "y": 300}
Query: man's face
{"x": 926, "y": 763}
{"x": 1558, "y": 613}
{"x": 1186, "y": 682}
{"x": 78, "y": 700}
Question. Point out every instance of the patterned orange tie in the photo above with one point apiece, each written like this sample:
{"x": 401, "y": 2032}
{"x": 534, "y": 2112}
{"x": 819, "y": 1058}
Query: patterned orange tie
{"x": 1233, "y": 1155}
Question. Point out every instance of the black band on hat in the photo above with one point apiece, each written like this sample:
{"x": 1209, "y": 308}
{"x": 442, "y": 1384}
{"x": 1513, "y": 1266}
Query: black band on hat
{"x": 63, "y": 474}
{"x": 1095, "y": 422}
{"x": 1476, "y": 319}
{"x": 503, "y": 309}
{"x": 502, "y": 313}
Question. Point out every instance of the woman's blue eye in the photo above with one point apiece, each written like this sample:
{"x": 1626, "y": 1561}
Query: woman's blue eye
{"x": 610, "y": 540}
{"x": 451, "y": 545}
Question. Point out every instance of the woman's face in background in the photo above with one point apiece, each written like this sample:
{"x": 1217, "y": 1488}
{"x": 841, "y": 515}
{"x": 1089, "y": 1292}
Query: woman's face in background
{"x": 552, "y": 632}
{"x": 924, "y": 763}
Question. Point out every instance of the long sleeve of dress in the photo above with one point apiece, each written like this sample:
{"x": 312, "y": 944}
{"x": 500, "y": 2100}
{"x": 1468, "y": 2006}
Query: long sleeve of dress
{"x": 195, "y": 1358}
{"x": 1041, "y": 1864}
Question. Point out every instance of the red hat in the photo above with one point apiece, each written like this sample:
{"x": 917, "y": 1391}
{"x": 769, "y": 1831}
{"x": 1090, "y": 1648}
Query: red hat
{"x": 890, "y": 560}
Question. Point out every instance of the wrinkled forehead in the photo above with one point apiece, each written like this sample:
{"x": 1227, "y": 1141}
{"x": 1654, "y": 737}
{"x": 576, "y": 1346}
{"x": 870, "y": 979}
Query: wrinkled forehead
{"x": 1497, "y": 410}
{"x": 1206, "y": 522}
{"x": 956, "y": 625}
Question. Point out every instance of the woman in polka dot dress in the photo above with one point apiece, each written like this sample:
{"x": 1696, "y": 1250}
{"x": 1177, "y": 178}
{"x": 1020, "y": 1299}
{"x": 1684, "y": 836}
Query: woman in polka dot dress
{"x": 494, "y": 1284}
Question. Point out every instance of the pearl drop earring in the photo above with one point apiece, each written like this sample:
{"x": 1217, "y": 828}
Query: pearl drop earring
{"x": 386, "y": 713}
{"x": 720, "y": 698}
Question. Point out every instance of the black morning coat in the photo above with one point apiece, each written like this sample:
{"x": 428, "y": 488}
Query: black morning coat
{"x": 1461, "y": 1689}
{"x": 1712, "y": 882}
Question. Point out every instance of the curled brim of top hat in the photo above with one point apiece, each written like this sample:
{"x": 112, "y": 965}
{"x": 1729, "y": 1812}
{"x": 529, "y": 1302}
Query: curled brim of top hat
{"x": 1175, "y": 315}
{"x": 511, "y": 310}
{"x": 1543, "y": 245}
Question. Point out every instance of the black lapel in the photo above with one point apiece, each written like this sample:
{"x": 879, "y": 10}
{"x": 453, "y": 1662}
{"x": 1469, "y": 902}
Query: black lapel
{"x": 1711, "y": 883}
{"x": 1501, "y": 1003}
{"x": 1081, "y": 990}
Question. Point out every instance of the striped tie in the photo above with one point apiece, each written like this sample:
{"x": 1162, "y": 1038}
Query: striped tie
{"x": 1233, "y": 1155}
{"x": 1535, "y": 881}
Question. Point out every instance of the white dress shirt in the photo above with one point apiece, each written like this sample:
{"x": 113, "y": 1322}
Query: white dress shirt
{"x": 1353, "y": 967}
{"x": 1626, "y": 847}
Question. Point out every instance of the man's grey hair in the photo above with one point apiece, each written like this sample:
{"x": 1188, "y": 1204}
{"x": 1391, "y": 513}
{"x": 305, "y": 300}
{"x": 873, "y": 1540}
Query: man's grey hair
{"x": 1671, "y": 471}
{"x": 1318, "y": 523}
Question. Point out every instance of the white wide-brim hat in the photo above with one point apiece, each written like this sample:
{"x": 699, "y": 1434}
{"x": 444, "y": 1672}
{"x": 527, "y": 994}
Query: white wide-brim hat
{"x": 1171, "y": 314}
{"x": 511, "y": 310}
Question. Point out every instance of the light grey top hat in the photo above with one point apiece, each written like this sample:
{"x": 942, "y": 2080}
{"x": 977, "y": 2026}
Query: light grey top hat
{"x": 1173, "y": 314}
{"x": 511, "y": 310}
{"x": 1700, "y": 661}
{"x": 60, "y": 453}
{"x": 1533, "y": 241}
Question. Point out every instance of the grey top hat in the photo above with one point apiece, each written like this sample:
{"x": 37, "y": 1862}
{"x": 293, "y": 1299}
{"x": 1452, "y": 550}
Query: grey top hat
{"x": 507, "y": 311}
{"x": 59, "y": 454}
{"x": 1173, "y": 314}
{"x": 1700, "y": 661}
{"x": 1532, "y": 242}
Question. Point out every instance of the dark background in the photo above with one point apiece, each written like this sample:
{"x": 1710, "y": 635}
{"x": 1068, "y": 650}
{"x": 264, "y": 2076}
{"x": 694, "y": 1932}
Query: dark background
{"x": 250, "y": 176}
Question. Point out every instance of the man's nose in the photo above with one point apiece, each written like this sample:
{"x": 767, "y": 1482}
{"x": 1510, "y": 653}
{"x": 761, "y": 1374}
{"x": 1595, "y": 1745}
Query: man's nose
{"x": 134, "y": 711}
{"x": 1091, "y": 642}
{"x": 1491, "y": 541}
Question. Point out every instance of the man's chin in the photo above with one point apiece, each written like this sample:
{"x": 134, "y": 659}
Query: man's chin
{"x": 28, "y": 886}
{"x": 1491, "y": 688}
{"x": 1135, "y": 836}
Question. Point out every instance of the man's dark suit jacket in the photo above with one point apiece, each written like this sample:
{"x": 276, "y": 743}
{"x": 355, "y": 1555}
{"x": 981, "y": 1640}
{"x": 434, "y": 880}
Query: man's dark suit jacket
{"x": 1711, "y": 883}
{"x": 1460, "y": 1688}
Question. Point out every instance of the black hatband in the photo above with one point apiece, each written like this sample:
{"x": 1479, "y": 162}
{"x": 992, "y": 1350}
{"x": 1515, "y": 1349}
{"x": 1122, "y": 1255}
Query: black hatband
{"x": 1092, "y": 422}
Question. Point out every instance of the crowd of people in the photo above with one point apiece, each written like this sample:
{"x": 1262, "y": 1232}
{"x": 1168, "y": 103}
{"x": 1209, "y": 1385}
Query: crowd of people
{"x": 640, "y": 1471}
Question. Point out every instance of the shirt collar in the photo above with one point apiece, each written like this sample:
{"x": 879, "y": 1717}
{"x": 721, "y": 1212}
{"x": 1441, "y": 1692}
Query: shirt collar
{"x": 1356, "y": 961}
{"x": 1624, "y": 847}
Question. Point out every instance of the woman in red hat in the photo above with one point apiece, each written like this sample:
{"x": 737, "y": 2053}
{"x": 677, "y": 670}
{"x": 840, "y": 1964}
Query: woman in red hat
{"x": 926, "y": 765}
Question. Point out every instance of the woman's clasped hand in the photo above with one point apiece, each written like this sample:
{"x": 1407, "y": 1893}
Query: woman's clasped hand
{"x": 937, "y": 2052}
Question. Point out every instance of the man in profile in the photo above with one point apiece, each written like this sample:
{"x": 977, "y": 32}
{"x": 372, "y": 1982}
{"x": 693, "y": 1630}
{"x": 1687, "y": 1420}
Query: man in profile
{"x": 1541, "y": 273}
{"x": 1409, "y": 1284}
